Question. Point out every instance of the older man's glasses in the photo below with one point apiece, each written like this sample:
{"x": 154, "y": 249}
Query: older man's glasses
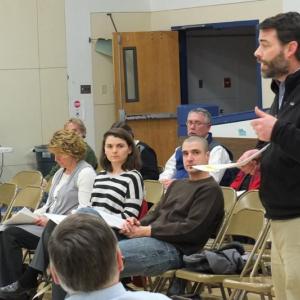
{"x": 195, "y": 123}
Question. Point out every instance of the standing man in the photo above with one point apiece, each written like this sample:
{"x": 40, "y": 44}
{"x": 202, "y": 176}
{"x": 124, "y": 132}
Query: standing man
{"x": 279, "y": 56}
{"x": 198, "y": 123}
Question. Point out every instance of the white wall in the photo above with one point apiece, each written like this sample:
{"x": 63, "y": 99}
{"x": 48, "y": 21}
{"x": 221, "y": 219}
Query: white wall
{"x": 79, "y": 59}
{"x": 178, "y": 4}
{"x": 33, "y": 89}
{"x": 291, "y": 5}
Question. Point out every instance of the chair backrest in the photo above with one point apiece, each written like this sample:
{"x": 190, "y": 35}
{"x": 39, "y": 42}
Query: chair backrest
{"x": 153, "y": 191}
{"x": 27, "y": 177}
{"x": 48, "y": 185}
{"x": 247, "y": 218}
{"x": 230, "y": 199}
{"x": 250, "y": 199}
{"x": 7, "y": 193}
{"x": 29, "y": 197}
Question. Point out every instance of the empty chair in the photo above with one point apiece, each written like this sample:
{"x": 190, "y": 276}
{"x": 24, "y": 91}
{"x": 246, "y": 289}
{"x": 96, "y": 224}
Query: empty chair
{"x": 7, "y": 194}
{"x": 153, "y": 190}
{"x": 27, "y": 177}
{"x": 230, "y": 198}
{"x": 29, "y": 197}
{"x": 256, "y": 284}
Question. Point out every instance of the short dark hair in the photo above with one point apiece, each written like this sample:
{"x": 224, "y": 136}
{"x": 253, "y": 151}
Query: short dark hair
{"x": 201, "y": 110}
{"x": 124, "y": 125}
{"x": 195, "y": 138}
{"x": 287, "y": 26}
{"x": 83, "y": 251}
{"x": 133, "y": 161}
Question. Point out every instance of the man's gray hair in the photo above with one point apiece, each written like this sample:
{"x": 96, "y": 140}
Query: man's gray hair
{"x": 203, "y": 111}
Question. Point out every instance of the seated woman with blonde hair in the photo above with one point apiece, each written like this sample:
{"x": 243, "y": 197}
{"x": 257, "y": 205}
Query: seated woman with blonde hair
{"x": 70, "y": 189}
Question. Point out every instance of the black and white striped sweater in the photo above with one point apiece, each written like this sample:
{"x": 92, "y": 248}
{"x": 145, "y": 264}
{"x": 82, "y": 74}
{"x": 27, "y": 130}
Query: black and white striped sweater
{"x": 118, "y": 194}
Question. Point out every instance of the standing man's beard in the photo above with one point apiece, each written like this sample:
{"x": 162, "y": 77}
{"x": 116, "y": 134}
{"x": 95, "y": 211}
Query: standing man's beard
{"x": 277, "y": 67}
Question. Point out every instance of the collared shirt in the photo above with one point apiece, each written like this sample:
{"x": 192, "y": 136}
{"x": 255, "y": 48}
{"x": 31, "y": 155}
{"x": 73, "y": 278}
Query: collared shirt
{"x": 281, "y": 93}
{"x": 117, "y": 292}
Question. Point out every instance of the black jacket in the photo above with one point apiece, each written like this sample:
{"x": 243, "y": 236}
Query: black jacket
{"x": 149, "y": 168}
{"x": 280, "y": 165}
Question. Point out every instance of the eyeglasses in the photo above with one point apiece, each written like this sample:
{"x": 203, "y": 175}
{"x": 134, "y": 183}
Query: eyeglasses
{"x": 196, "y": 123}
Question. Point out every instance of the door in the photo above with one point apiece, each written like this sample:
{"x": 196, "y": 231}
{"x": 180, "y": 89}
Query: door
{"x": 147, "y": 87}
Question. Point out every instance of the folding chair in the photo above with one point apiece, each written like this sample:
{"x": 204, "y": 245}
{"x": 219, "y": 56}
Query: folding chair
{"x": 261, "y": 285}
{"x": 247, "y": 219}
{"x": 8, "y": 192}
{"x": 153, "y": 191}
{"x": 230, "y": 198}
{"x": 28, "y": 177}
{"x": 29, "y": 197}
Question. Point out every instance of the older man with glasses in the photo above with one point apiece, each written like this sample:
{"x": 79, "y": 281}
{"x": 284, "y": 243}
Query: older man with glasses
{"x": 198, "y": 123}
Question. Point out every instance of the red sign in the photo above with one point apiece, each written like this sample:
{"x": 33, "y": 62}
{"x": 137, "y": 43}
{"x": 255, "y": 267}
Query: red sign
{"x": 76, "y": 103}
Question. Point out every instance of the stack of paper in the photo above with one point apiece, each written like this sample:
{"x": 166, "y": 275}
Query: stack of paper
{"x": 111, "y": 220}
{"x": 23, "y": 216}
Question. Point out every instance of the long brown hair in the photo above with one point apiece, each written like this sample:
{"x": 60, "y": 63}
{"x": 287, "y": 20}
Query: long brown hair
{"x": 133, "y": 160}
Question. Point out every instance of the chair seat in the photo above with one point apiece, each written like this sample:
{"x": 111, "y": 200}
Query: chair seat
{"x": 168, "y": 274}
{"x": 203, "y": 277}
{"x": 251, "y": 284}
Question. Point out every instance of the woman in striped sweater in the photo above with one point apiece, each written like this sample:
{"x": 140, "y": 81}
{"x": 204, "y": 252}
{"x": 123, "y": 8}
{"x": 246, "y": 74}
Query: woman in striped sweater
{"x": 118, "y": 189}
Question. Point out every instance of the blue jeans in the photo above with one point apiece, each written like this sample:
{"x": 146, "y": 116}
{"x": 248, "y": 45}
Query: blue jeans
{"x": 144, "y": 256}
{"x": 148, "y": 256}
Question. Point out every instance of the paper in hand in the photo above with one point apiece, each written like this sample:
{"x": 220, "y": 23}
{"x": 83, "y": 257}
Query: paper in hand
{"x": 217, "y": 167}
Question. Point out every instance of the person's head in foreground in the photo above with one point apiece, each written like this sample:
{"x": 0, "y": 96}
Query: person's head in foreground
{"x": 84, "y": 254}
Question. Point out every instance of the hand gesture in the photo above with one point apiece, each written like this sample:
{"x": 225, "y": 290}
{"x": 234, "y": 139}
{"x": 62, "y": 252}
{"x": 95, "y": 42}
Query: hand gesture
{"x": 263, "y": 126}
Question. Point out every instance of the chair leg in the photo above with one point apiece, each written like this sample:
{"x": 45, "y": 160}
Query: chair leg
{"x": 270, "y": 297}
{"x": 223, "y": 292}
{"x": 159, "y": 284}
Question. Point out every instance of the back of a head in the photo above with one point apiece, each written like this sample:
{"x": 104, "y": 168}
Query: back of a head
{"x": 124, "y": 125}
{"x": 287, "y": 26}
{"x": 79, "y": 124}
{"x": 82, "y": 250}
